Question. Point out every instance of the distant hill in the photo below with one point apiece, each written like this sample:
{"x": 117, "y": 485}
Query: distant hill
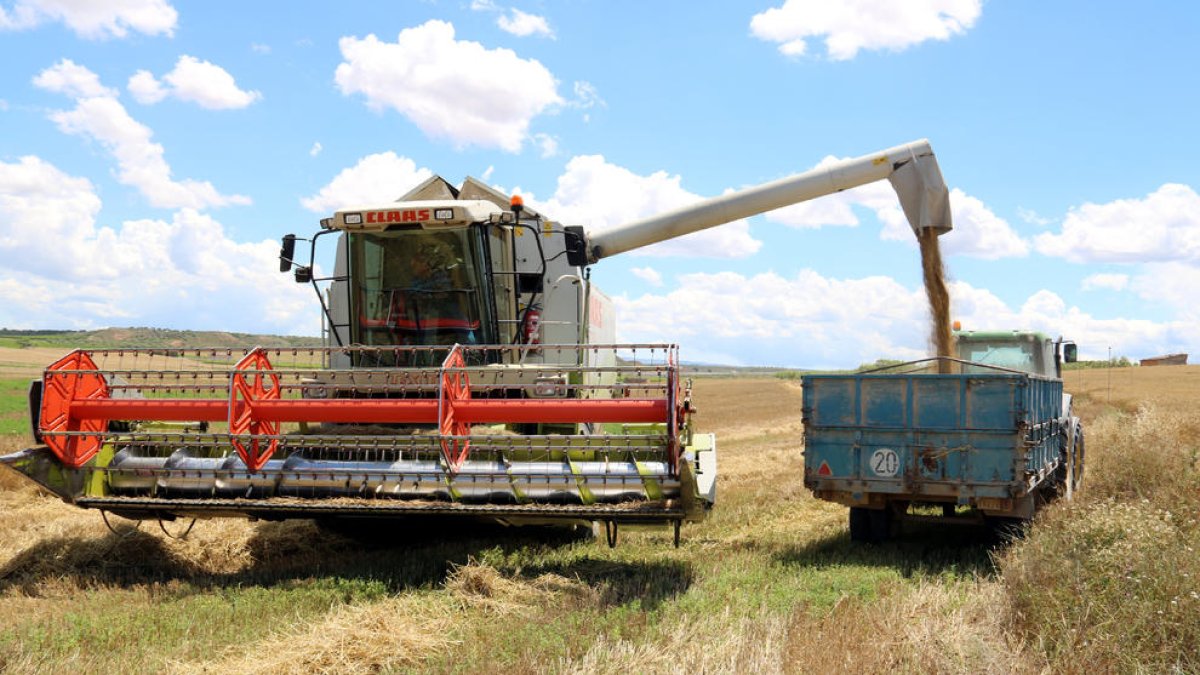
{"x": 145, "y": 337}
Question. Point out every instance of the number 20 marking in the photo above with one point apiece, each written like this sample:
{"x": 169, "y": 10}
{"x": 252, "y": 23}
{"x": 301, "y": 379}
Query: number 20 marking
{"x": 885, "y": 462}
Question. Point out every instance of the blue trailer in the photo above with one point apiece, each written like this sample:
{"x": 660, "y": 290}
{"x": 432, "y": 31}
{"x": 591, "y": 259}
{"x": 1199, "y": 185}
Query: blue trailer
{"x": 985, "y": 436}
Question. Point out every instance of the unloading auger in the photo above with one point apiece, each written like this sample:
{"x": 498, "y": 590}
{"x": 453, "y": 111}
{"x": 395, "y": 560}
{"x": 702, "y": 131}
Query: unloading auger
{"x": 471, "y": 370}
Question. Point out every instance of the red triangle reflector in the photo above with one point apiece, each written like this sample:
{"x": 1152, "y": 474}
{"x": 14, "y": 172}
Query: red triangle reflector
{"x": 824, "y": 469}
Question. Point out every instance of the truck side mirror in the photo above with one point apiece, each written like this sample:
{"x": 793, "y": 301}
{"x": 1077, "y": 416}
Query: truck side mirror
{"x": 303, "y": 274}
{"x": 286, "y": 252}
{"x": 1070, "y": 352}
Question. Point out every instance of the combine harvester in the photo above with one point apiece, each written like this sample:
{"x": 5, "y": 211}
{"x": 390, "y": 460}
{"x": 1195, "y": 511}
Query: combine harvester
{"x": 470, "y": 371}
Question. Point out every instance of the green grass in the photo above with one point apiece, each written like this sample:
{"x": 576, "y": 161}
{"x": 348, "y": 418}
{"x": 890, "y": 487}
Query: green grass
{"x": 144, "y": 337}
{"x": 176, "y": 620}
{"x": 14, "y": 406}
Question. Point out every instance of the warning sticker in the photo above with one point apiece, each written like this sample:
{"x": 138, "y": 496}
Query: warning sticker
{"x": 885, "y": 462}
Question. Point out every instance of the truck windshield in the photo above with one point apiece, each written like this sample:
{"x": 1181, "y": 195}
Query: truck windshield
{"x": 1014, "y": 355}
{"x": 416, "y": 287}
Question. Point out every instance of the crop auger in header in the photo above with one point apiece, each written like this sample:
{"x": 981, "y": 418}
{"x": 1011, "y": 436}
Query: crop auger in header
{"x": 272, "y": 434}
{"x": 471, "y": 370}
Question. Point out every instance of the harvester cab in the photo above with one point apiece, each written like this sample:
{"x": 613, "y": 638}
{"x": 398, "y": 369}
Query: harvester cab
{"x": 446, "y": 265}
{"x": 471, "y": 369}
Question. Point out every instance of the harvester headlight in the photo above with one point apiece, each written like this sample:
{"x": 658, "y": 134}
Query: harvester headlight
{"x": 353, "y": 218}
{"x": 443, "y": 214}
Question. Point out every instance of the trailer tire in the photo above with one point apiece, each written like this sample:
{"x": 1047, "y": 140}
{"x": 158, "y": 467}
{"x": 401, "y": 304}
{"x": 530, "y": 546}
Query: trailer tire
{"x": 860, "y": 524}
{"x": 1078, "y": 465}
{"x": 870, "y": 526}
{"x": 1006, "y": 529}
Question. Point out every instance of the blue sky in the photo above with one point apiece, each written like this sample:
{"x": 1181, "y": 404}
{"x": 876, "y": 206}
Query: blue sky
{"x": 153, "y": 152}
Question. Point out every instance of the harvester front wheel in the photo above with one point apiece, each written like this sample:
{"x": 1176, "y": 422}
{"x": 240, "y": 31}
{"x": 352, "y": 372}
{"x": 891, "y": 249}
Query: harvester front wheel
{"x": 610, "y": 533}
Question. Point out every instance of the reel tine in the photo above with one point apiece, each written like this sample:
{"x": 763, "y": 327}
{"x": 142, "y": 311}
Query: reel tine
{"x": 181, "y": 536}
{"x": 127, "y": 533}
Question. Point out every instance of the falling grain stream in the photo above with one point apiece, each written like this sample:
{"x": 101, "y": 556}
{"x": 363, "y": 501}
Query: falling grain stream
{"x": 939, "y": 297}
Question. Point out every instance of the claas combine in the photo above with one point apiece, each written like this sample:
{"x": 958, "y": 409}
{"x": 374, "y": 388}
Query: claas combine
{"x": 471, "y": 369}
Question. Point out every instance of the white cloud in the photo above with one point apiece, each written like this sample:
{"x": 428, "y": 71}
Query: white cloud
{"x": 259, "y": 48}
{"x": 599, "y": 195}
{"x": 453, "y": 89}
{"x": 145, "y": 88}
{"x": 807, "y": 319}
{"x": 98, "y": 115}
{"x": 546, "y": 143}
{"x": 521, "y": 24}
{"x": 1033, "y": 217}
{"x": 205, "y": 84}
{"x": 315, "y": 149}
{"x": 381, "y": 177}
{"x": 648, "y": 275}
{"x": 586, "y": 96}
{"x": 94, "y": 20}
{"x": 69, "y": 78}
{"x": 978, "y": 232}
{"x": 854, "y": 25}
{"x": 45, "y": 212}
{"x": 1173, "y": 284}
{"x": 811, "y": 320}
{"x": 1163, "y": 226}
{"x": 487, "y": 173}
{"x": 1047, "y": 312}
{"x": 186, "y": 272}
{"x": 1112, "y": 282}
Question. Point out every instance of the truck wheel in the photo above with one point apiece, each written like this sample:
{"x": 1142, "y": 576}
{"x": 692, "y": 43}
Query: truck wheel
{"x": 1077, "y": 473}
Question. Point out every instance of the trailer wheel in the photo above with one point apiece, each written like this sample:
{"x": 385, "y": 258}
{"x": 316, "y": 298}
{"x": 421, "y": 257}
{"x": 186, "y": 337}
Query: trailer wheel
{"x": 1006, "y": 529}
{"x": 860, "y": 524}
{"x": 871, "y": 526}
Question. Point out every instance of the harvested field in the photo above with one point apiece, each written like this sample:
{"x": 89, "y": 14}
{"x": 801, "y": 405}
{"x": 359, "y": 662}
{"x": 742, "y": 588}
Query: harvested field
{"x": 770, "y": 583}
{"x": 27, "y": 363}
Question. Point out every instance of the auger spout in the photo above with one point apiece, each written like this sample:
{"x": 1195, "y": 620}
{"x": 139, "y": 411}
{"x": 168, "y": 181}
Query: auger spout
{"x": 911, "y": 168}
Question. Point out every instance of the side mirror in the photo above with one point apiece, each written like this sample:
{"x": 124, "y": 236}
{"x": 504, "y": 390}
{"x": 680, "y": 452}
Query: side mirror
{"x": 286, "y": 252}
{"x": 576, "y": 242}
{"x": 1070, "y": 352}
{"x": 303, "y": 275}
